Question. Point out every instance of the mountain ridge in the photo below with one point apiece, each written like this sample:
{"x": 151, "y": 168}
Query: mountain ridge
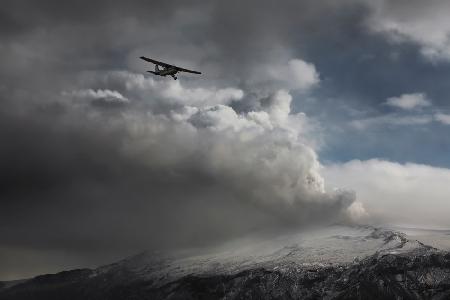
{"x": 397, "y": 267}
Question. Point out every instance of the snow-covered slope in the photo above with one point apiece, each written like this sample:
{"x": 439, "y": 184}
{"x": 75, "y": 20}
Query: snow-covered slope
{"x": 337, "y": 262}
{"x": 319, "y": 247}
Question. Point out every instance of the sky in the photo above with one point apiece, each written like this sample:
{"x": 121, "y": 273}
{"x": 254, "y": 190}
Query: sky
{"x": 306, "y": 113}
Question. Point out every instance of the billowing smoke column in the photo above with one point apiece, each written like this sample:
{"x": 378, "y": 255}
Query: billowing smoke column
{"x": 259, "y": 157}
{"x": 123, "y": 162}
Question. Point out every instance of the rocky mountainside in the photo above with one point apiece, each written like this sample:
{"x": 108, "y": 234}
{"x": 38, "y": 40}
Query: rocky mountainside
{"x": 332, "y": 263}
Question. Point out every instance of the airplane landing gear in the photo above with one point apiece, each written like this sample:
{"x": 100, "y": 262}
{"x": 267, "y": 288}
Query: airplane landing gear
{"x": 174, "y": 77}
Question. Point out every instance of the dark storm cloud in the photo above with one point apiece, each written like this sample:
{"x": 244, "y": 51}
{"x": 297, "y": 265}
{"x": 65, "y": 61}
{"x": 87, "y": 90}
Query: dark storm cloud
{"x": 95, "y": 158}
{"x": 78, "y": 178}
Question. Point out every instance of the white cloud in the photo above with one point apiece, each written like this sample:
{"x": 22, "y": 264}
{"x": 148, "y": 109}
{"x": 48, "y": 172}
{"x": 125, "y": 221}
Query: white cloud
{"x": 442, "y": 118}
{"x": 392, "y": 120}
{"x": 171, "y": 92}
{"x": 294, "y": 74}
{"x": 200, "y": 96}
{"x": 409, "y": 101}
{"x": 106, "y": 95}
{"x": 221, "y": 117}
{"x": 425, "y": 23}
{"x": 304, "y": 75}
{"x": 280, "y": 106}
{"x": 400, "y": 120}
{"x": 396, "y": 193}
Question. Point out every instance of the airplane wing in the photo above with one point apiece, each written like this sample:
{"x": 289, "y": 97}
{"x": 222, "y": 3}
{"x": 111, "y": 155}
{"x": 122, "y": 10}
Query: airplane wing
{"x": 159, "y": 63}
{"x": 186, "y": 70}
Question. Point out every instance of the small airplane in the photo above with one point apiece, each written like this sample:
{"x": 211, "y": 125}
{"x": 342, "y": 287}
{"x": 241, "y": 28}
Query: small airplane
{"x": 166, "y": 68}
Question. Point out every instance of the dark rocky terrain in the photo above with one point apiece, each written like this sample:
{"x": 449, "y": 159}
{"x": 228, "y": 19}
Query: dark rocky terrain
{"x": 414, "y": 271}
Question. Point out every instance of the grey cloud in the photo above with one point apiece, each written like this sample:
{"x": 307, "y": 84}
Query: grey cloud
{"x": 175, "y": 164}
{"x": 425, "y": 24}
{"x": 180, "y": 163}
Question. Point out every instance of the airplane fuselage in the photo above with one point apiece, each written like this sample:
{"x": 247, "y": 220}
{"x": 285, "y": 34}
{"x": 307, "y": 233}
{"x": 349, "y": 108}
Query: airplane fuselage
{"x": 167, "y": 71}
{"x": 166, "y": 68}
{"x": 172, "y": 71}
